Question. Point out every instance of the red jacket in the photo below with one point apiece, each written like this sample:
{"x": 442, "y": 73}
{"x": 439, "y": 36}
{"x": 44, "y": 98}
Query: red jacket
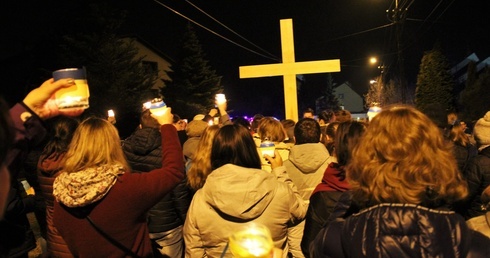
{"x": 122, "y": 212}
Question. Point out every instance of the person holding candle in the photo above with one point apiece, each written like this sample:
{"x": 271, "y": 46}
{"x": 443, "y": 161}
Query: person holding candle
{"x": 21, "y": 127}
{"x": 238, "y": 191}
{"x": 101, "y": 207}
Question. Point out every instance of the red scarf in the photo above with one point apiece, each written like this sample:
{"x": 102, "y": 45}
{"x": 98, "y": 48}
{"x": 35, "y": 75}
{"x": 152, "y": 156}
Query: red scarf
{"x": 332, "y": 180}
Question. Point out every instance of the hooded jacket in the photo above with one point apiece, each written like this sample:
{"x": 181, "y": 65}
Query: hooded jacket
{"x": 48, "y": 169}
{"x": 400, "y": 230}
{"x": 143, "y": 150}
{"x": 233, "y": 195}
{"x": 306, "y": 165}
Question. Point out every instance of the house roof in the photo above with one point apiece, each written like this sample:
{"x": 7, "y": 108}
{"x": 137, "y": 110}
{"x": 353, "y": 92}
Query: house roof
{"x": 150, "y": 46}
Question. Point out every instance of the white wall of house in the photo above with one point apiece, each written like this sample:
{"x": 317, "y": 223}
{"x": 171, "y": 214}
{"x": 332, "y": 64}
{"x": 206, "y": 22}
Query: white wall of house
{"x": 348, "y": 98}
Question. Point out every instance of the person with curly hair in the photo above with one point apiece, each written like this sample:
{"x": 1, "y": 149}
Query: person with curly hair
{"x": 403, "y": 176}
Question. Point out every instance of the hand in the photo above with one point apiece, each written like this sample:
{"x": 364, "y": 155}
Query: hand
{"x": 222, "y": 106}
{"x": 213, "y": 112}
{"x": 166, "y": 118}
{"x": 111, "y": 119}
{"x": 275, "y": 161}
{"x": 41, "y": 100}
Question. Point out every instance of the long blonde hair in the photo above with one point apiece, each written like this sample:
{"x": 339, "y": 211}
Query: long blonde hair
{"x": 95, "y": 143}
{"x": 201, "y": 164}
{"x": 403, "y": 158}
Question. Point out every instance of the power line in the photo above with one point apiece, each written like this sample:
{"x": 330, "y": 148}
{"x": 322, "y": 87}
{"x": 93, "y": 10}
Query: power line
{"x": 211, "y": 31}
{"x": 361, "y": 32}
{"x": 220, "y": 23}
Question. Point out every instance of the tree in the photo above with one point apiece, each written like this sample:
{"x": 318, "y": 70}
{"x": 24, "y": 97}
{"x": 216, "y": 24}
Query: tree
{"x": 328, "y": 100}
{"x": 193, "y": 83}
{"x": 117, "y": 78}
{"x": 475, "y": 97}
{"x": 381, "y": 93}
{"x": 434, "y": 82}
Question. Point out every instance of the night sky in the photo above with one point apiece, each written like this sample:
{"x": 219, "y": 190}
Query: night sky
{"x": 327, "y": 29}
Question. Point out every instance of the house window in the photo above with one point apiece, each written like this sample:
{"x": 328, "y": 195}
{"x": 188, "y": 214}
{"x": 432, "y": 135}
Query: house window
{"x": 150, "y": 67}
{"x": 341, "y": 96}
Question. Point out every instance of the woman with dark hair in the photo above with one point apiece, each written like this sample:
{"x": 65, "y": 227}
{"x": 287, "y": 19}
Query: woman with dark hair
{"x": 326, "y": 195}
{"x": 238, "y": 191}
{"x": 48, "y": 167}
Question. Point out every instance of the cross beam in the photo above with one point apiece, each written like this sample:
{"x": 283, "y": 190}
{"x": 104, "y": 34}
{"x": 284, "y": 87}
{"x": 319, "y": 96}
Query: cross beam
{"x": 289, "y": 69}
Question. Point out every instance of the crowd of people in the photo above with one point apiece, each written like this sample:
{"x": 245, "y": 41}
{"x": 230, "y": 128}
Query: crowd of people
{"x": 404, "y": 184}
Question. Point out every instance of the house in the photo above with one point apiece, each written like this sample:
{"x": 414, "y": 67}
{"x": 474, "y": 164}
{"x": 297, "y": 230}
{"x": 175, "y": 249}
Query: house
{"x": 153, "y": 60}
{"x": 349, "y": 99}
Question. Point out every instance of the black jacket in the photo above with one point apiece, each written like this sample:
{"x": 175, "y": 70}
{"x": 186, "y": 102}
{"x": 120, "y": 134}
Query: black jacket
{"x": 400, "y": 230}
{"x": 144, "y": 153}
{"x": 477, "y": 174}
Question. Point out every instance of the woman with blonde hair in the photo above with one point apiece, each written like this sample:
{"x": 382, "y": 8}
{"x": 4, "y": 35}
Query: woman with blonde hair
{"x": 101, "y": 207}
{"x": 200, "y": 167}
{"x": 402, "y": 175}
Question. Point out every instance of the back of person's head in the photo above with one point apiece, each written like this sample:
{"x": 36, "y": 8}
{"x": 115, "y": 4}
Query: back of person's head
{"x": 196, "y": 128}
{"x": 308, "y": 113}
{"x": 256, "y": 121}
{"x": 326, "y": 116}
{"x": 271, "y": 129}
{"x": 201, "y": 165}
{"x": 6, "y": 130}
{"x": 343, "y": 115}
{"x": 307, "y": 130}
{"x": 288, "y": 125}
{"x": 95, "y": 143}
{"x": 452, "y": 117}
{"x": 147, "y": 121}
{"x": 233, "y": 144}
{"x": 61, "y": 134}
{"x": 481, "y": 131}
{"x": 329, "y": 137}
{"x": 242, "y": 121}
{"x": 458, "y": 136}
{"x": 347, "y": 136}
{"x": 175, "y": 119}
{"x": 403, "y": 158}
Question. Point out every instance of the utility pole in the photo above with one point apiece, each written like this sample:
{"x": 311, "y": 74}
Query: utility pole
{"x": 398, "y": 20}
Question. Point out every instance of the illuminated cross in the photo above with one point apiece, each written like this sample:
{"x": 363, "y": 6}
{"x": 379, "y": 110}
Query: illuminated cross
{"x": 289, "y": 69}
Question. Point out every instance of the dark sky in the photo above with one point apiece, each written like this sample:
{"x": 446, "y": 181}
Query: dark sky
{"x": 326, "y": 29}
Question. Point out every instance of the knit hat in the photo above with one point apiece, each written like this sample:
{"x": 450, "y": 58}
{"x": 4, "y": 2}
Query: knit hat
{"x": 481, "y": 130}
{"x": 196, "y": 128}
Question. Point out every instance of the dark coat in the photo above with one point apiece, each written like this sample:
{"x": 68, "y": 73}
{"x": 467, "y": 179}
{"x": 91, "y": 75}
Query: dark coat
{"x": 400, "y": 230}
{"x": 319, "y": 210}
{"x": 48, "y": 169}
{"x": 16, "y": 236}
{"x": 143, "y": 150}
{"x": 477, "y": 174}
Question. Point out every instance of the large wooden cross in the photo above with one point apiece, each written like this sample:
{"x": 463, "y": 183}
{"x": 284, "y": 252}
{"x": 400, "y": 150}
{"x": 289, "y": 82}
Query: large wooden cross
{"x": 289, "y": 69}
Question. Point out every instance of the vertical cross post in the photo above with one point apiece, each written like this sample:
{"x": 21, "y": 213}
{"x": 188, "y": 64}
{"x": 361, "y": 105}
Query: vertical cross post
{"x": 289, "y": 69}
